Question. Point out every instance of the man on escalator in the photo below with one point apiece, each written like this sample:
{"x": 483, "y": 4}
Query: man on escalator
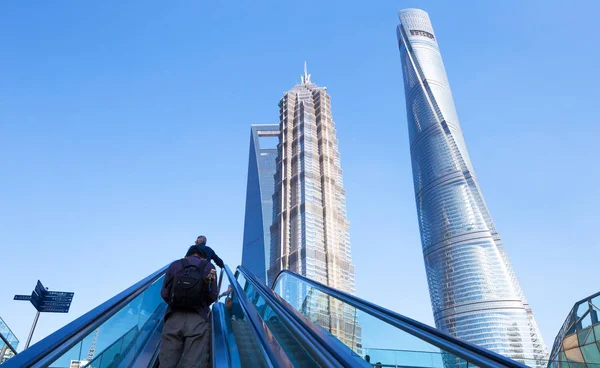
{"x": 189, "y": 288}
{"x": 210, "y": 253}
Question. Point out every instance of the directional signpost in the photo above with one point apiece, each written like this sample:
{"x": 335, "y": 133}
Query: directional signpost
{"x": 46, "y": 301}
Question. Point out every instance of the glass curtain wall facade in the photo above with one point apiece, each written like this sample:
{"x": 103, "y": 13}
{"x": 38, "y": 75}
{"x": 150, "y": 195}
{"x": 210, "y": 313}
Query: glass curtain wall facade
{"x": 578, "y": 342}
{"x": 310, "y": 234}
{"x": 474, "y": 292}
{"x": 259, "y": 199}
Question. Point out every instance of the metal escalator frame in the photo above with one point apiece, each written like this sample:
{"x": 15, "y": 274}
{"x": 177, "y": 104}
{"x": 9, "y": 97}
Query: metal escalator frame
{"x": 462, "y": 349}
{"x": 52, "y": 347}
{"x": 270, "y": 348}
{"x": 312, "y": 337}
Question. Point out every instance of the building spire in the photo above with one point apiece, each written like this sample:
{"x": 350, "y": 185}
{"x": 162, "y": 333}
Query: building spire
{"x": 306, "y": 77}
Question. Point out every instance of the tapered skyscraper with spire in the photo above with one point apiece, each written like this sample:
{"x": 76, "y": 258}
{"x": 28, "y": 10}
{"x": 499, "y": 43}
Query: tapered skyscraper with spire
{"x": 474, "y": 291}
{"x": 310, "y": 234}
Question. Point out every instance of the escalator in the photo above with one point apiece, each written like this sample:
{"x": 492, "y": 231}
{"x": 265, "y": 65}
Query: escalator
{"x": 297, "y": 323}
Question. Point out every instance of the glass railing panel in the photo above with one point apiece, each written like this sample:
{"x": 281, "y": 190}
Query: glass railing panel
{"x": 8, "y": 335}
{"x": 412, "y": 358}
{"x": 360, "y": 331}
{"x": 132, "y": 316}
{"x": 242, "y": 345}
{"x": 5, "y": 352}
{"x": 292, "y": 347}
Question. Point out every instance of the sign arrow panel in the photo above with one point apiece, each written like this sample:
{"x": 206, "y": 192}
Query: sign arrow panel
{"x": 54, "y": 310}
{"x": 40, "y": 289}
{"x": 52, "y": 298}
{"x": 22, "y": 297}
{"x": 54, "y": 304}
{"x": 63, "y": 294}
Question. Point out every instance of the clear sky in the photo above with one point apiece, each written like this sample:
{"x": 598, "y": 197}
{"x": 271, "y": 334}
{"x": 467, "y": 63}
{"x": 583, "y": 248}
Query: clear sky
{"x": 124, "y": 134}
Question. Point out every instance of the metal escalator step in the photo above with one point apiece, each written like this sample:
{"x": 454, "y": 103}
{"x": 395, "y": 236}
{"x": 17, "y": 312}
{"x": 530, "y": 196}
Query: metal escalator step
{"x": 290, "y": 345}
{"x": 248, "y": 348}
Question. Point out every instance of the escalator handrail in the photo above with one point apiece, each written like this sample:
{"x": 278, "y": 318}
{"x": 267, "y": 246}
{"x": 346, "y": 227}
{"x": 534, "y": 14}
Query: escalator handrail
{"x": 219, "y": 347}
{"x": 462, "y": 349}
{"x": 330, "y": 347}
{"x": 275, "y": 355}
{"x": 56, "y": 344}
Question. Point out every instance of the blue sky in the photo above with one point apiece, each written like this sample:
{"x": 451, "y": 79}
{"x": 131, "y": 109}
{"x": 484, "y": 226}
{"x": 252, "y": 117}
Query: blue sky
{"x": 124, "y": 132}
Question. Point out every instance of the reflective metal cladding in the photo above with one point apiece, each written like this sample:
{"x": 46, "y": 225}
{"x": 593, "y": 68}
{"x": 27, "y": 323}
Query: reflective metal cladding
{"x": 474, "y": 292}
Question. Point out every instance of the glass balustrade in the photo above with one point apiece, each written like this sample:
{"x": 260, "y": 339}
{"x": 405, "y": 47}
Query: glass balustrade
{"x": 292, "y": 347}
{"x": 122, "y": 333}
{"x": 363, "y": 331}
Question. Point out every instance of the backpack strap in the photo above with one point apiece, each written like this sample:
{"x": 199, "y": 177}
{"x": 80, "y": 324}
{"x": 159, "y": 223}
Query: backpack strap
{"x": 186, "y": 263}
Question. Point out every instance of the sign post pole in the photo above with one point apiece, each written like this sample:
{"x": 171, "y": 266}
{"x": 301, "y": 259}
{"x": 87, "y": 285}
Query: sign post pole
{"x": 44, "y": 300}
{"x": 35, "y": 320}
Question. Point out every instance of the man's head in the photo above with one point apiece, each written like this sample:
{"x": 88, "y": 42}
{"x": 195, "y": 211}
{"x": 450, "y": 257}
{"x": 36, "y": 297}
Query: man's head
{"x": 201, "y": 240}
{"x": 195, "y": 251}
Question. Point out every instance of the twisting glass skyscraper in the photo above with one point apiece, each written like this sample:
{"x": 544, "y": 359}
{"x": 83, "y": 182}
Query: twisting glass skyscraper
{"x": 310, "y": 234}
{"x": 259, "y": 199}
{"x": 474, "y": 291}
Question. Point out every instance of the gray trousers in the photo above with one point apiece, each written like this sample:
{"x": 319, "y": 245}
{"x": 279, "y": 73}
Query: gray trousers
{"x": 185, "y": 341}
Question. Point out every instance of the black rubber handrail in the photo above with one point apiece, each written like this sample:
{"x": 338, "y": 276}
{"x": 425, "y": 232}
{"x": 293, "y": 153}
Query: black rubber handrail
{"x": 462, "y": 349}
{"x": 47, "y": 350}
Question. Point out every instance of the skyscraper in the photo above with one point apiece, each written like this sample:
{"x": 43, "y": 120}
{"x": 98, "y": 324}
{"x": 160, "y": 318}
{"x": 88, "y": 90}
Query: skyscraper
{"x": 259, "y": 199}
{"x": 474, "y": 292}
{"x": 310, "y": 234}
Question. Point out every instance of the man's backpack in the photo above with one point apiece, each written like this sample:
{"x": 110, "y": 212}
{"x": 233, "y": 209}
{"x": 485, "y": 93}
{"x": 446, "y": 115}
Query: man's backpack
{"x": 188, "y": 290}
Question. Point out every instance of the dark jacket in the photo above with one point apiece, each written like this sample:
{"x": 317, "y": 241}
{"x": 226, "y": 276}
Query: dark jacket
{"x": 211, "y": 255}
{"x": 211, "y": 296}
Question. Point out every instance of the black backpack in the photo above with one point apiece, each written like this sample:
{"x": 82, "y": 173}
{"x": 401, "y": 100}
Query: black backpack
{"x": 188, "y": 288}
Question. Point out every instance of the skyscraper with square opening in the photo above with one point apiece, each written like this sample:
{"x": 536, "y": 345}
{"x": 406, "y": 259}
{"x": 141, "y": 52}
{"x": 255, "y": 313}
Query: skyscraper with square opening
{"x": 259, "y": 199}
{"x": 474, "y": 291}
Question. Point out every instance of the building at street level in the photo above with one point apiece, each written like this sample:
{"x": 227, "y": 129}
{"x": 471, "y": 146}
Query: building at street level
{"x": 259, "y": 199}
{"x": 310, "y": 234}
{"x": 474, "y": 292}
{"x": 578, "y": 341}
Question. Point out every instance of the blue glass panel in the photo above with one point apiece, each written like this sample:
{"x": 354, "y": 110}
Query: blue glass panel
{"x": 124, "y": 330}
{"x": 597, "y": 332}
{"x": 582, "y": 309}
{"x": 364, "y": 333}
{"x": 582, "y": 335}
{"x": 591, "y": 354}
